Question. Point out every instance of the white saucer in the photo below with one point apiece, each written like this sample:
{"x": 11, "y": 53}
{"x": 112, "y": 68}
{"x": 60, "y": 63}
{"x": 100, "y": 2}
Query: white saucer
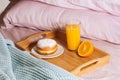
{"x": 59, "y": 52}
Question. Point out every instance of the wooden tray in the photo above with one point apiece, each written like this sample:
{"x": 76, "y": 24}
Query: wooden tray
{"x": 69, "y": 61}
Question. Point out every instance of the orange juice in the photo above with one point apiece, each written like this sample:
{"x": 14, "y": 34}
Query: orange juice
{"x": 73, "y": 36}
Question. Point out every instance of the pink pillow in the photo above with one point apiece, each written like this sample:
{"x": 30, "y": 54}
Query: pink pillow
{"x": 108, "y": 6}
{"x": 36, "y": 15}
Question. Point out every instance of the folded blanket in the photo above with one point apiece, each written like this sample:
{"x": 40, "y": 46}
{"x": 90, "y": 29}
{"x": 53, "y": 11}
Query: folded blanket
{"x": 20, "y": 65}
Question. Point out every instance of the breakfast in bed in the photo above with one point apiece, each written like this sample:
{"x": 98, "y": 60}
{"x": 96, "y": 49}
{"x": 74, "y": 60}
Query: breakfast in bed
{"x": 59, "y": 39}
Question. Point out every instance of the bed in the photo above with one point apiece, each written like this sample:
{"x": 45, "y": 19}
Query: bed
{"x": 99, "y": 23}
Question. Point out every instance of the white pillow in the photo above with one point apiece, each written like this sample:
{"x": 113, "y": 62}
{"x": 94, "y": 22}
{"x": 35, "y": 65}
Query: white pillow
{"x": 36, "y": 15}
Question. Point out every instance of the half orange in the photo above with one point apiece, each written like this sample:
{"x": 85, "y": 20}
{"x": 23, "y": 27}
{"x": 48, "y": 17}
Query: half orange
{"x": 86, "y": 48}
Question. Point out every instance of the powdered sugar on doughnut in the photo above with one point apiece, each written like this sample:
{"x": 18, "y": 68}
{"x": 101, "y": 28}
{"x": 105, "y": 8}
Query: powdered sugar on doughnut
{"x": 46, "y": 43}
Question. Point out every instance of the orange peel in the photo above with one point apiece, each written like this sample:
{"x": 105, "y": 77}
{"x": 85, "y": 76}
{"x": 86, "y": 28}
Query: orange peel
{"x": 85, "y": 49}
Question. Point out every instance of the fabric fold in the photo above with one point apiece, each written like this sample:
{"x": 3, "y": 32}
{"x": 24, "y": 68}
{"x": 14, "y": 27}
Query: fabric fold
{"x": 20, "y": 65}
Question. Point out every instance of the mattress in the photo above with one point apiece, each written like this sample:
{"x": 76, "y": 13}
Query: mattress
{"x": 111, "y": 71}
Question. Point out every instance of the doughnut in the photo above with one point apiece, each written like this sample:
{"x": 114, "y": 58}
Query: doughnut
{"x": 46, "y": 46}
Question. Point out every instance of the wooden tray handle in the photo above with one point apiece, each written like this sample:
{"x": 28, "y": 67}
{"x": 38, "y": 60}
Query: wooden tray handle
{"x": 35, "y": 37}
{"x": 89, "y": 64}
{"x": 86, "y": 66}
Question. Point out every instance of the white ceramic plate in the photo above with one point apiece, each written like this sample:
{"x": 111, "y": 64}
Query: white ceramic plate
{"x": 59, "y": 51}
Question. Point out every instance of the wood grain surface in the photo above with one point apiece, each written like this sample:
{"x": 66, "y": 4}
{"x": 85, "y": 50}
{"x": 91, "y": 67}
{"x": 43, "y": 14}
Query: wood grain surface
{"x": 69, "y": 60}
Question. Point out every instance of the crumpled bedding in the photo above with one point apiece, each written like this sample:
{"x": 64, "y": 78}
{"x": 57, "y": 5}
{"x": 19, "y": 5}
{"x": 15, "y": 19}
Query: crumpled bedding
{"x": 93, "y": 24}
{"x": 20, "y": 65}
{"x": 17, "y": 33}
{"x": 111, "y": 71}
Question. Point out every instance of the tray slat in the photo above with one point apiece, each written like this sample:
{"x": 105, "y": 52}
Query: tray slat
{"x": 69, "y": 60}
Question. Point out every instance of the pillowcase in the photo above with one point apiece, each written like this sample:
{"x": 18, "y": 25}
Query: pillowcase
{"x": 37, "y": 15}
{"x": 108, "y": 6}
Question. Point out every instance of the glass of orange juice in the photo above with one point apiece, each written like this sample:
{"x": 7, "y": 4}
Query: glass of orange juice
{"x": 73, "y": 36}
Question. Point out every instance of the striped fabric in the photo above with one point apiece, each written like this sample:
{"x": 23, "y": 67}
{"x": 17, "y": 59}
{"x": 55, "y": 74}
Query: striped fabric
{"x": 20, "y": 65}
